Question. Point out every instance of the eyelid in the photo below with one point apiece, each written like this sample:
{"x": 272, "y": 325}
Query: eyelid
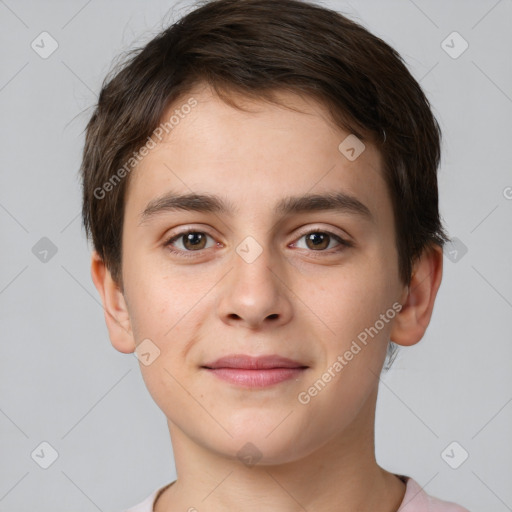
{"x": 332, "y": 231}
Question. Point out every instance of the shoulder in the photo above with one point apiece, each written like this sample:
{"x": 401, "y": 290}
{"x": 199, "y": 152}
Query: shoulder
{"x": 147, "y": 505}
{"x": 417, "y": 500}
{"x": 144, "y": 506}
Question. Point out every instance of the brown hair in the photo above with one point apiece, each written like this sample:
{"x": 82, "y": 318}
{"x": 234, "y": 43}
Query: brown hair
{"x": 256, "y": 47}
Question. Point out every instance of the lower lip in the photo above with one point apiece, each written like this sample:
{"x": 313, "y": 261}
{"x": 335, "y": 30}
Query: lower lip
{"x": 256, "y": 378}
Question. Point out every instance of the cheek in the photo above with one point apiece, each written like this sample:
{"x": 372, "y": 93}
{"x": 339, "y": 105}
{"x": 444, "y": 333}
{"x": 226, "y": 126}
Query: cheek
{"x": 169, "y": 309}
{"x": 347, "y": 300}
{"x": 157, "y": 297}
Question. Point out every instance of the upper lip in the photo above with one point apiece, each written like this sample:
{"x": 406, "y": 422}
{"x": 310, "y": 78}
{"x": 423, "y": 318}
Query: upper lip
{"x": 247, "y": 362}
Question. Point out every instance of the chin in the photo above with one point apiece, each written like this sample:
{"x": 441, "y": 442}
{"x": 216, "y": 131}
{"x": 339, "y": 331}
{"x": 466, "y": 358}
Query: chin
{"x": 252, "y": 444}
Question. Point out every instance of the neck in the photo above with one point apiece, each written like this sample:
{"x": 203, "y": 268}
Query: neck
{"x": 341, "y": 475}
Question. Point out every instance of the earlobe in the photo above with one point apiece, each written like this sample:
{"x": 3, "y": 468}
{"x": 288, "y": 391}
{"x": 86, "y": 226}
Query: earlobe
{"x": 412, "y": 321}
{"x": 114, "y": 306}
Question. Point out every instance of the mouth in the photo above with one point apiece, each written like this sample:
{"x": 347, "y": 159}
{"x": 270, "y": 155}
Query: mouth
{"x": 248, "y": 371}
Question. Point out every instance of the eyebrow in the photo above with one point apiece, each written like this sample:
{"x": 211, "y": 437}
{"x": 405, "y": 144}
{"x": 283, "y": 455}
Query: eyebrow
{"x": 208, "y": 203}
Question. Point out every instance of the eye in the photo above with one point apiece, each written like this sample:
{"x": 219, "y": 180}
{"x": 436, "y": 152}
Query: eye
{"x": 318, "y": 240}
{"x": 194, "y": 241}
{"x": 191, "y": 240}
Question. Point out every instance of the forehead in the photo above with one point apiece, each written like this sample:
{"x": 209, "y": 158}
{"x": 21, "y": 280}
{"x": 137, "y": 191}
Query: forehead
{"x": 255, "y": 158}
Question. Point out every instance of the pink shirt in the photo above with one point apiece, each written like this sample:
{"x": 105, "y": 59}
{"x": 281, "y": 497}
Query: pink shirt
{"x": 415, "y": 500}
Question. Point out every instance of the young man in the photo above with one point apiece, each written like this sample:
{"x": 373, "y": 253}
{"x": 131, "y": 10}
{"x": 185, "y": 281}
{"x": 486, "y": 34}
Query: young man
{"x": 260, "y": 186}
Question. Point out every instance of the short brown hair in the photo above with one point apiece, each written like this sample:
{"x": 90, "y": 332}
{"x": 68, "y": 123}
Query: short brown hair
{"x": 256, "y": 47}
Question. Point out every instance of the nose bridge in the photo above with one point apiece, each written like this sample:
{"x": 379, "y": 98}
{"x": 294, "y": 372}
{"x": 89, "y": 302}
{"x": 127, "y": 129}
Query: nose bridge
{"x": 252, "y": 273}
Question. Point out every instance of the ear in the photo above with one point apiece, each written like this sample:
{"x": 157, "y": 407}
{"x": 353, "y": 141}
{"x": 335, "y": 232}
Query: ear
{"x": 114, "y": 306}
{"x": 418, "y": 299}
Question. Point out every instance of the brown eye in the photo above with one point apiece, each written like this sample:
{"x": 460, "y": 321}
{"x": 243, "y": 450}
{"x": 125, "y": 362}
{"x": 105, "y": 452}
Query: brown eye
{"x": 191, "y": 241}
{"x": 317, "y": 240}
{"x": 320, "y": 241}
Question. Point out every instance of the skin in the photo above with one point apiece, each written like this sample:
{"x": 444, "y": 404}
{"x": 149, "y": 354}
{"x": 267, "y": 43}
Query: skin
{"x": 294, "y": 299}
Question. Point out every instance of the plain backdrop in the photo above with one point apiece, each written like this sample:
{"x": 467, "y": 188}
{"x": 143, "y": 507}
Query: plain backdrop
{"x": 61, "y": 381}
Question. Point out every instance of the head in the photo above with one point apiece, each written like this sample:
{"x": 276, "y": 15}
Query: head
{"x": 221, "y": 104}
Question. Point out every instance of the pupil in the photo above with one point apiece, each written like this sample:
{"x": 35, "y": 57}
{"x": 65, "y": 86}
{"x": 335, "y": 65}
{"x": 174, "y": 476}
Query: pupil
{"x": 194, "y": 238}
{"x": 317, "y": 238}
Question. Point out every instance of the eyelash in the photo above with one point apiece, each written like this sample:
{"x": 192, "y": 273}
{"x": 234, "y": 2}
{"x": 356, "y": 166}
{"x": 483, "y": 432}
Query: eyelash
{"x": 190, "y": 254}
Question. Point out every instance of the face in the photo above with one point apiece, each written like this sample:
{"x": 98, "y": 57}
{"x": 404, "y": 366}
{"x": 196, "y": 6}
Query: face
{"x": 303, "y": 280}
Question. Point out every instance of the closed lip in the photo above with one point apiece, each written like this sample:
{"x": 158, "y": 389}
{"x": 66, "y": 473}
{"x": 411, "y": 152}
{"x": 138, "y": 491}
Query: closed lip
{"x": 246, "y": 362}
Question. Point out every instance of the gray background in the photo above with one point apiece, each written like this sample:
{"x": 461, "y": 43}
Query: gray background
{"x": 62, "y": 382}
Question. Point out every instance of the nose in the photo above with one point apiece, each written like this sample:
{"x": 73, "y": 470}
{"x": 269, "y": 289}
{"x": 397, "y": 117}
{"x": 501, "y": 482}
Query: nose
{"x": 255, "y": 294}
